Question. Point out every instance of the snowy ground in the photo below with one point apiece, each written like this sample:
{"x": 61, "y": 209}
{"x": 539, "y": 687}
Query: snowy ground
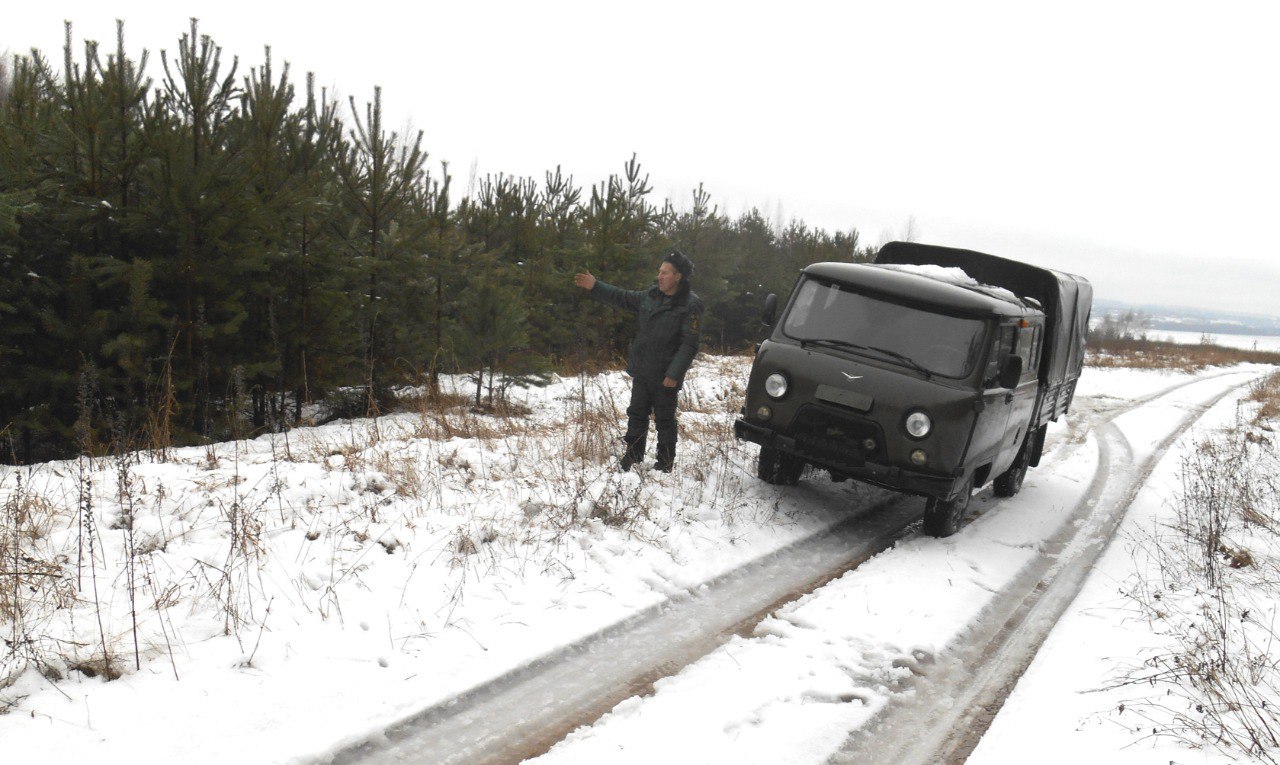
{"x": 295, "y": 594}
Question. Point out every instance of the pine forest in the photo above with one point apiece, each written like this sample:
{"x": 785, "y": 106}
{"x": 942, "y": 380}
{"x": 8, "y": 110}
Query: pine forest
{"x": 191, "y": 252}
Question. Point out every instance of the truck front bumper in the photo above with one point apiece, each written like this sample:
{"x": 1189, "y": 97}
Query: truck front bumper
{"x": 852, "y": 463}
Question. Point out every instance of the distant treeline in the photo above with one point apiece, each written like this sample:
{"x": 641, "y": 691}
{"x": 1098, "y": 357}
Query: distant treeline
{"x": 204, "y": 253}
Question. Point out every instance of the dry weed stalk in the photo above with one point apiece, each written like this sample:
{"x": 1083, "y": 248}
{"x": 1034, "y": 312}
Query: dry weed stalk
{"x": 163, "y": 403}
{"x": 88, "y": 534}
{"x": 1217, "y": 602}
{"x": 590, "y": 434}
{"x": 233, "y": 586}
{"x": 125, "y": 496}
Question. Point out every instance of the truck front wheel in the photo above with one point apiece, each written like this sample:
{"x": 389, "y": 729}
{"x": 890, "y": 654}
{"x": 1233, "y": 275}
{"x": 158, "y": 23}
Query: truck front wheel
{"x": 778, "y": 467}
{"x": 942, "y": 517}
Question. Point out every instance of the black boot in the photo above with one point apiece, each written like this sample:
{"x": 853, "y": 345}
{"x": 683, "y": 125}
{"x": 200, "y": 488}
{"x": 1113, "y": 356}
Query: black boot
{"x": 631, "y": 456}
{"x": 633, "y": 442}
{"x": 666, "y": 458}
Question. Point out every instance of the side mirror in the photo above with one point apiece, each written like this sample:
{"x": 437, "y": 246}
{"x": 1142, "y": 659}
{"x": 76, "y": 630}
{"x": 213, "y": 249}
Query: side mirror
{"x": 770, "y": 308}
{"x": 1011, "y": 372}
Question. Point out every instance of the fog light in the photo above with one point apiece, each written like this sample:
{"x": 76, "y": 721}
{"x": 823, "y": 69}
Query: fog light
{"x": 869, "y": 444}
{"x": 919, "y": 457}
{"x": 764, "y": 413}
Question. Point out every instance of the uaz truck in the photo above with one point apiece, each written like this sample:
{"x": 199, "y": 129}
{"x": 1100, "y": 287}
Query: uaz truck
{"x": 932, "y": 371}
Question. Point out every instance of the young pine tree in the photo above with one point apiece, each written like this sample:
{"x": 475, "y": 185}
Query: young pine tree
{"x": 381, "y": 175}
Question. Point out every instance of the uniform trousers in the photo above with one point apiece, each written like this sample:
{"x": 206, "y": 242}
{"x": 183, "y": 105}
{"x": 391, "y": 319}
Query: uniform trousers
{"x": 651, "y": 396}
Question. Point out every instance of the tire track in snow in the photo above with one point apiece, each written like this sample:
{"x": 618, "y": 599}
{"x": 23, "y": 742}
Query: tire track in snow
{"x": 526, "y": 711}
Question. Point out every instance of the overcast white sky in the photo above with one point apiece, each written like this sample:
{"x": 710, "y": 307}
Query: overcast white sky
{"x": 1134, "y": 143}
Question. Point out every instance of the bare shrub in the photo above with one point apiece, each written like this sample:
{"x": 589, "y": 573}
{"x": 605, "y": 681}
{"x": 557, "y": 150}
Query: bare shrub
{"x": 34, "y": 582}
{"x": 349, "y": 453}
{"x": 622, "y": 504}
{"x": 1216, "y": 681}
{"x": 26, "y": 575}
{"x": 592, "y": 436}
{"x": 591, "y": 433}
{"x": 233, "y": 584}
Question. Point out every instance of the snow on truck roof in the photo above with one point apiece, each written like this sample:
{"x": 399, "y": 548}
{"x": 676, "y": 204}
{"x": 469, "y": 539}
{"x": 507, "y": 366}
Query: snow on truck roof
{"x": 956, "y": 276}
{"x": 936, "y": 285}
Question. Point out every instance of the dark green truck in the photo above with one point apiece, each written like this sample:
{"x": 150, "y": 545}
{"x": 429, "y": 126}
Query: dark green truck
{"x": 911, "y": 375}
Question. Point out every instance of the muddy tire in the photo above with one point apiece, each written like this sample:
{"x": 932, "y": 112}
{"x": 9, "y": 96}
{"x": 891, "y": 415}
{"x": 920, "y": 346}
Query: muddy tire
{"x": 779, "y": 468}
{"x": 942, "y": 517}
{"x": 1010, "y": 481}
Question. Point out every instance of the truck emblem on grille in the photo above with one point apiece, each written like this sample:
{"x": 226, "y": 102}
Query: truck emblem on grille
{"x": 851, "y": 377}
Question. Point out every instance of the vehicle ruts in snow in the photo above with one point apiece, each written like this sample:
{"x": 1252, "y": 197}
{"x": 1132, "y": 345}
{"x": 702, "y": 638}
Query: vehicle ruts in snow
{"x": 932, "y": 371}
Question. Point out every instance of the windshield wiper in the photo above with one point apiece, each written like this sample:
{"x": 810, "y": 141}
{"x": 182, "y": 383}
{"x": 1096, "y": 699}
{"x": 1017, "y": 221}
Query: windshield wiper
{"x": 831, "y": 342}
{"x": 834, "y": 343}
{"x": 904, "y": 359}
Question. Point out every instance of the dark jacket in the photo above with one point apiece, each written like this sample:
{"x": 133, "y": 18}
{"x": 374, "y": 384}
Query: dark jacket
{"x": 667, "y": 331}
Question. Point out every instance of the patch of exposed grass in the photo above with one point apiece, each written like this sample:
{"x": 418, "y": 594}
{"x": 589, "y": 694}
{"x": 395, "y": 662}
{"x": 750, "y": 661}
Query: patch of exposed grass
{"x": 1266, "y": 394}
{"x": 1153, "y": 354}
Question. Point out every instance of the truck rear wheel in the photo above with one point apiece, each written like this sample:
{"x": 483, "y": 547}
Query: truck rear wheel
{"x": 778, "y": 467}
{"x": 1037, "y": 446}
{"x": 1010, "y": 481}
{"x": 942, "y": 517}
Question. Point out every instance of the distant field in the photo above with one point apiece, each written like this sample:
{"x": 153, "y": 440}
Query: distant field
{"x": 1160, "y": 351}
{"x": 1245, "y": 342}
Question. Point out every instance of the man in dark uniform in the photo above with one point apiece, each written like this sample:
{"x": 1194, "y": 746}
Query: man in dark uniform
{"x": 666, "y": 341}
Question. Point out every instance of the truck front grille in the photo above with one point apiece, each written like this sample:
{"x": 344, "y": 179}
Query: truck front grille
{"x": 832, "y": 436}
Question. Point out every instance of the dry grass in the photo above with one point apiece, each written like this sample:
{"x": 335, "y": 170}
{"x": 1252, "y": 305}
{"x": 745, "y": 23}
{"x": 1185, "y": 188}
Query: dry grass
{"x": 592, "y": 436}
{"x": 445, "y": 416}
{"x": 1151, "y": 354}
{"x": 26, "y": 575}
{"x": 405, "y": 472}
{"x": 34, "y": 582}
{"x": 1266, "y": 394}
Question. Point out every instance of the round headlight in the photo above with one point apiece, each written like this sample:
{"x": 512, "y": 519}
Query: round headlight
{"x": 776, "y": 385}
{"x": 918, "y": 424}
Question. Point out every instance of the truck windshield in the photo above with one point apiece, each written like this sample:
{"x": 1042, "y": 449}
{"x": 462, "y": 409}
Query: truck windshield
{"x": 933, "y": 343}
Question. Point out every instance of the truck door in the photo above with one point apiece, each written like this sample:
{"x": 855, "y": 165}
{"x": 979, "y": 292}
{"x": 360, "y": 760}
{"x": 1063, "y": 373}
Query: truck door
{"x": 994, "y": 404}
{"x": 1022, "y": 400}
